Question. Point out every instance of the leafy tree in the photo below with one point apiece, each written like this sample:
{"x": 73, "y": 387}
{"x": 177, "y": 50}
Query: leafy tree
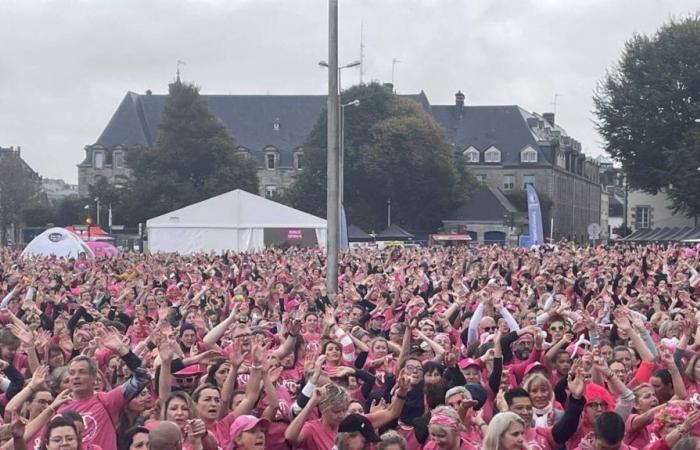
{"x": 393, "y": 150}
{"x": 71, "y": 211}
{"x": 194, "y": 159}
{"x": 39, "y": 215}
{"x": 647, "y": 105}
{"x": 19, "y": 188}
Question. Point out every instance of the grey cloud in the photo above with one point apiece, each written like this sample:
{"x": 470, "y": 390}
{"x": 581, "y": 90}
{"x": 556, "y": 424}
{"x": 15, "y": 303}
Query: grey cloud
{"x": 66, "y": 64}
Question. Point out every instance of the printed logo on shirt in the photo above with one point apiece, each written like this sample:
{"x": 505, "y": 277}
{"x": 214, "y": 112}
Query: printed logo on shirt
{"x": 90, "y": 427}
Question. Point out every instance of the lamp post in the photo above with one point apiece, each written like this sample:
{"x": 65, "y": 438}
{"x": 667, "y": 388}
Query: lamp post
{"x": 341, "y": 168}
{"x": 332, "y": 210}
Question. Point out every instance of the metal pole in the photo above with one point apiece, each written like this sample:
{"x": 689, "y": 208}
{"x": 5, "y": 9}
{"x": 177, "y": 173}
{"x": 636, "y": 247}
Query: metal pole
{"x": 98, "y": 210}
{"x": 332, "y": 201}
{"x": 388, "y": 213}
{"x": 341, "y": 162}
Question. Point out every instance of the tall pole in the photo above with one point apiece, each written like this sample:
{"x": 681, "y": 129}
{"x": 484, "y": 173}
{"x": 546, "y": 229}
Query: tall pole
{"x": 332, "y": 200}
{"x": 388, "y": 213}
{"x": 97, "y": 199}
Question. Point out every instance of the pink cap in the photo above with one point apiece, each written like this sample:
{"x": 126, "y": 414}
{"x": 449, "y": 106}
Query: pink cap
{"x": 534, "y": 366}
{"x": 246, "y": 423}
{"x": 291, "y": 304}
{"x": 463, "y": 364}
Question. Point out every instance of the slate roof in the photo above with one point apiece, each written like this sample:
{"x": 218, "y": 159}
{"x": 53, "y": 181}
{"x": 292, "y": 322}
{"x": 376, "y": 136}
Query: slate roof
{"x": 484, "y": 126}
{"x": 250, "y": 119}
{"x": 487, "y": 204}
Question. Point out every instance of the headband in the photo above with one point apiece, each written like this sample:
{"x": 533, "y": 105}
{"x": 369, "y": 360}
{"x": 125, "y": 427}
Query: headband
{"x": 444, "y": 420}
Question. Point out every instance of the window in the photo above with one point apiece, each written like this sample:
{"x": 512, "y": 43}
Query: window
{"x": 528, "y": 179}
{"x": 492, "y": 155}
{"x": 298, "y": 157}
{"x": 270, "y": 161}
{"x": 472, "y": 155}
{"x": 276, "y": 124}
{"x": 118, "y": 157}
{"x": 528, "y": 155}
{"x": 99, "y": 159}
{"x": 270, "y": 190}
{"x": 642, "y": 217}
{"x": 481, "y": 178}
{"x": 508, "y": 182}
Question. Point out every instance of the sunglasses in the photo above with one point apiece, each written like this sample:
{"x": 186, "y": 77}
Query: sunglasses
{"x": 490, "y": 329}
{"x": 185, "y": 380}
{"x": 597, "y": 405}
{"x": 555, "y": 328}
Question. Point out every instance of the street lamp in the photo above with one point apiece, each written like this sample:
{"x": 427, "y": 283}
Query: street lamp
{"x": 341, "y": 168}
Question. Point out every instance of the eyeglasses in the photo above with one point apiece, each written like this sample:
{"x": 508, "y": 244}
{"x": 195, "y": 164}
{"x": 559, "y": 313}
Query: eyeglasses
{"x": 413, "y": 368}
{"x": 185, "y": 380}
{"x": 597, "y": 405}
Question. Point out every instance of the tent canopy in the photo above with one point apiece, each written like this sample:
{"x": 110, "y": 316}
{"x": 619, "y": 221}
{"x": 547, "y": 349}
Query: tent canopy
{"x": 355, "y": 234}
{"x": 236, "y": 220}
{"x": 394, "y": 233}
{"x": 58, "y": 242}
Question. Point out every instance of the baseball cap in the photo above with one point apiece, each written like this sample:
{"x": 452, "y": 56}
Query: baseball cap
{"x": 466, "y": 362}
{"x": 246, "y": 423}
{"x": 357, "y": 423}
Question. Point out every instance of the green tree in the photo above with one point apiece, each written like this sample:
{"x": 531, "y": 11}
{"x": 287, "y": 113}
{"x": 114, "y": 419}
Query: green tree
{"x": 71, "y": 211}
{"x": 194, "y": 159}
{"x": 647, "y": 105}
{"x": 393, "y": 150}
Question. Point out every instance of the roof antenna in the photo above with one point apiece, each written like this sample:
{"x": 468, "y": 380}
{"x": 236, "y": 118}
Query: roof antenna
{"x": 362, "y": 51}
{"x": 554, "y": 103}
{"x": 179, "y": 63}
{"x": 394, "y": 62}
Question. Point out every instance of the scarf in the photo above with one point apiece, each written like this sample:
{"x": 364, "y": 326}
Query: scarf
{"x": 541, "y": 416}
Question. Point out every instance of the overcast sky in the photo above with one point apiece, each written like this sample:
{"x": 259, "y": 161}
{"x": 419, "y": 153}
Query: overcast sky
{"x": 65, "y": 65}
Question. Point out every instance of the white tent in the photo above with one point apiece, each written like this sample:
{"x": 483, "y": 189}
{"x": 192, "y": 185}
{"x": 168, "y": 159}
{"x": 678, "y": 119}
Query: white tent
{"x": 58, "y": 242}
{"x": 236, "y": 220}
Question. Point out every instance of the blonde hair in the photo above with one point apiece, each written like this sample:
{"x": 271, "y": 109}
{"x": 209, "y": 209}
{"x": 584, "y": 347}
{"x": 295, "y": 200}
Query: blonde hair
{"x": 497, "y": 428}
{"x": 536, "y": 378}
{"x": 335, "y": 396}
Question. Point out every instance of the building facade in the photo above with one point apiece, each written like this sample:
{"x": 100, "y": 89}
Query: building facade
{"x": 505, "y": 146}
{"x": 653, "y": 211}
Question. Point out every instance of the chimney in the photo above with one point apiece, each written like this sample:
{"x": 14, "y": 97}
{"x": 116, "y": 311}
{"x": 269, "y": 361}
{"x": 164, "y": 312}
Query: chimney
{"x": 19, "y": 151}
{"x": 149, "y": 92}
{"x": 549, "y": 117}
{"x": 459, "y": 100}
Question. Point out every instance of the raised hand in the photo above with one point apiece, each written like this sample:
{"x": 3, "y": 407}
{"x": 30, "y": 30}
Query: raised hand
{"x": 23, "y": 333}
{"x": 576, "y": 382}
{"x": 17, "y": 426}
{"x": 40, "y": 377}
{"x": 62, "y": 398}
{"x": 378, "y": 405}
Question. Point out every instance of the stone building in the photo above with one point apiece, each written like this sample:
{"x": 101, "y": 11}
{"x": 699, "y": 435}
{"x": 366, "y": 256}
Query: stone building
{"x": 505, "y": 146}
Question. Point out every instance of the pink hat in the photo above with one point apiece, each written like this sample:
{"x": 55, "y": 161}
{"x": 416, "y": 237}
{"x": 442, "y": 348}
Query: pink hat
{"x": 246, "y": 423}
{"x": 291, "y": 304}
{"x": 534, "y": 366}
{"x": 467, "y": 362}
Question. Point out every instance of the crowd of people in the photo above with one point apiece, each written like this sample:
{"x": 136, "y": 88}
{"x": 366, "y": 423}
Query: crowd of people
{"x": 480, "y": 347}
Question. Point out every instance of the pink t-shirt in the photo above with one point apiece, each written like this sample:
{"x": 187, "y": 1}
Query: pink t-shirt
{"x": 221, "y": 430}
{"x": 316, "y": 436}
{"x": 637, "y": 438}
{"x": 539, "y": 438}
{"x": 408, "y": 433}
{"x": 100, "y": 414}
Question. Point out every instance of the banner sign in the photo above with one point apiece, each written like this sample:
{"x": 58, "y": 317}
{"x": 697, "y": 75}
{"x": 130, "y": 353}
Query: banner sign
{"x": 534, "y": 214}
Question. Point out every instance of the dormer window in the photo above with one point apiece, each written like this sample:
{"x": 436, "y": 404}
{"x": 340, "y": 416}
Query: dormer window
{"x": 298, "y": 160}
{"x": 471, "y": 155}
{"x": 118, "y": 159}
{"x": 492, "y": 155}
{"x": 270, "y": 160}
{"x": 242, "y": 152}
{"x": 276, "y": 124}
{"x": 98, "y": 159}
{"x": 528, "y": 155}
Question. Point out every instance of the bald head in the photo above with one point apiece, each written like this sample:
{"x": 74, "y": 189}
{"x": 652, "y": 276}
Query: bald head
{"x": 165, "y": 436}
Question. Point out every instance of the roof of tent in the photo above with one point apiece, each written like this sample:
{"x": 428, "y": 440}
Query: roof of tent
{"x": 394, "y": 232}
{"x": 58, "y": 242}
{"x": 236, "y": 209}
{"x": 355, "y": 233}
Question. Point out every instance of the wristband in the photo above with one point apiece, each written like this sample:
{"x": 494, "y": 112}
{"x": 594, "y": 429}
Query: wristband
{"x": 400, "y": 397}
{"x": 256, "y": 367}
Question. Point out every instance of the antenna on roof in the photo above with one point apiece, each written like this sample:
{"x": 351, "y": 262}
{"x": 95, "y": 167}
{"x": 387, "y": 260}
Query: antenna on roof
{"x": 394, "y": 62}
{"x": 554, "y": 103}
{"x": 179, "y": 63}
{"x": 362, "y": 51}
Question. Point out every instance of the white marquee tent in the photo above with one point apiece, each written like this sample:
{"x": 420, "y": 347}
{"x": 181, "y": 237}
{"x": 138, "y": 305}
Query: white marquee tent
{"x": 236, "y": 220}
{"x": 59, "y": 242}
